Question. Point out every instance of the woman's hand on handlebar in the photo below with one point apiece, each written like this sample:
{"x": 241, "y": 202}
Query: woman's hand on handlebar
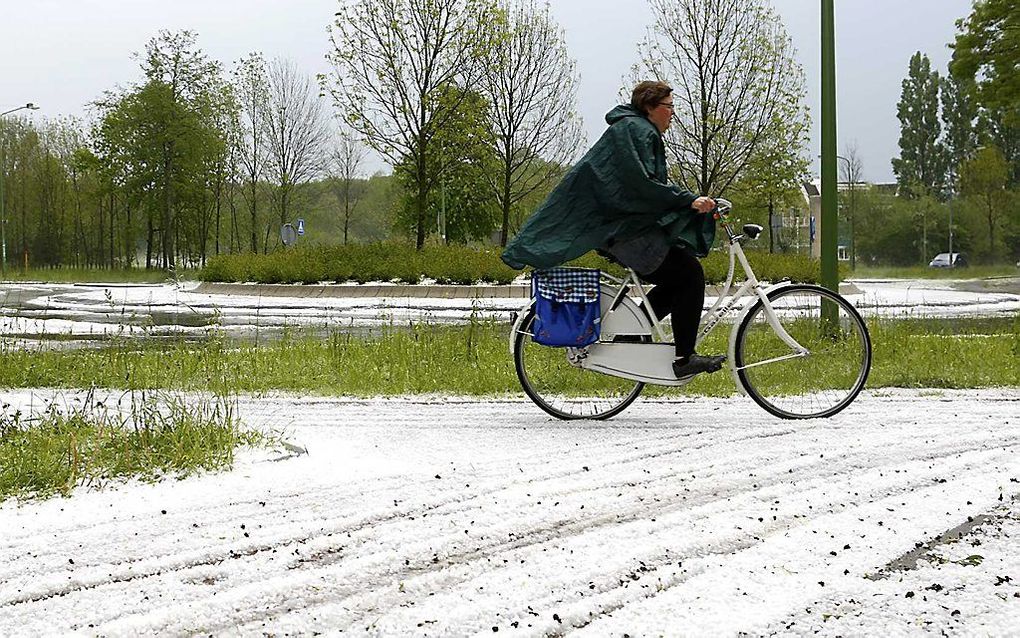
{"x": 703, "y": 204}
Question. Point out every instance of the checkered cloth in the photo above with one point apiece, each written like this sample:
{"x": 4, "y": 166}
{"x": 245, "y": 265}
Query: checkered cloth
{"x": 566, "y": 284}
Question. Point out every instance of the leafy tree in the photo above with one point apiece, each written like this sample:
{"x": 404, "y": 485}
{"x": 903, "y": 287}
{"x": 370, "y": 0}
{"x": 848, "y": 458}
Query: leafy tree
{"x": 220, "y": 171}
{"x": 251, "y": 86}
{"x": 461, "y": 200}
{"x": 771, "y": 181}
{"x": 393, "y": 61}
{"x": 531, "y": 84}
{"x": 986, "y": 54}
{"x": 921, "y": 167}
{"x": 983, "y": 178}
{"x": 998, "y": 127}
{"x": 959, "y": 118}
{"x": 162, "y": 133}
{"x": 49, "y": 239}
{"x": 19, "y": 152}
{"x": 898, "y": 231}
{"x": 736, "y": 82}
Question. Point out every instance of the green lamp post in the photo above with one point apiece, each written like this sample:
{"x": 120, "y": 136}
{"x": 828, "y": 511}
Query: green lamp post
{"x": 830, "y": 226}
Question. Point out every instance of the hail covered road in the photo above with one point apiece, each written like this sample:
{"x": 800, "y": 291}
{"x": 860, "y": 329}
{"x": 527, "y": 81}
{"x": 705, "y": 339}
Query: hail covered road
{"x": 443, "y": 517}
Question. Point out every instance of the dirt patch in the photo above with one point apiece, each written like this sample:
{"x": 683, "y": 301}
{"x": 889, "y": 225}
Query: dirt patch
{"x": 1006, "y": 285}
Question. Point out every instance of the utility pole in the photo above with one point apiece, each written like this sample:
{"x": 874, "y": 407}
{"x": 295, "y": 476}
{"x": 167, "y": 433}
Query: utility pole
{"x": 830, "y": 227}
{"x": 951, "y": 264}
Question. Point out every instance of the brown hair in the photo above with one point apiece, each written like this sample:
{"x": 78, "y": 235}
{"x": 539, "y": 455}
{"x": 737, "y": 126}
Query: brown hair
{"x": 647, "y": 95}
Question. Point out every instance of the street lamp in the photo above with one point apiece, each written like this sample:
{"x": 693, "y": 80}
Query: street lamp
{"x": 27, "y": 106}
{"x": 3, "y": 207}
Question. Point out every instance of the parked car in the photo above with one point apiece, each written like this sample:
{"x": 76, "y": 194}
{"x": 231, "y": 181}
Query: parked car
{"x": 942, "y": 260}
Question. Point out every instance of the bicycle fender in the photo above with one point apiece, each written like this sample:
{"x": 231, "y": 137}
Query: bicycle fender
{"x": 521, "y": 314}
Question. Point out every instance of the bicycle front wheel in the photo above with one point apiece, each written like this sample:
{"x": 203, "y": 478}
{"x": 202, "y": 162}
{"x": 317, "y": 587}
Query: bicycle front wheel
{"x": 561, "y": 387}
{"x": 817, "y": 383}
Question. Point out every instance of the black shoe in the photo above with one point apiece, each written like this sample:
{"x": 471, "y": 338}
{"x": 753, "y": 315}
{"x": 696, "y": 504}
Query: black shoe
{"x": 697, "y": 364}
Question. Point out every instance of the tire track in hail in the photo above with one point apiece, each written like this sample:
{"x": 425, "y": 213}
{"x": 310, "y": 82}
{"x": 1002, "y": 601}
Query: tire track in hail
{"x": 334, "y": 493}
{"x": 369, "y": 521}
{"x": 225, "y": 550}
{"x": 534, "y": 538}
{"x": 633, "y": 457}
{"x": 780, "y": 524}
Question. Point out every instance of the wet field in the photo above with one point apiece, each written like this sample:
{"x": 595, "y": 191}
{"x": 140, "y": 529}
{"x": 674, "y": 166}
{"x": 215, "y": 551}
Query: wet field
{"x": 77, "y": 315}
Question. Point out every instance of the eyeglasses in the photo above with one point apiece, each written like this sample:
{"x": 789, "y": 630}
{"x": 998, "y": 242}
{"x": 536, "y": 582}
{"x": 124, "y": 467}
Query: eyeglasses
{"x": 668, "y": 105}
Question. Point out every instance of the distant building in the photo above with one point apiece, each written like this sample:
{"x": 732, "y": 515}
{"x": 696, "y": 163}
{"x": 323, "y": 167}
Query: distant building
{"x": 793, "y": 228}
{"x": 797, "y": 229}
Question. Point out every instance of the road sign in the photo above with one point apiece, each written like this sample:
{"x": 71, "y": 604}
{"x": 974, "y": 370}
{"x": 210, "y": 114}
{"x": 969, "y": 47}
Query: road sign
{"x": 288, "y": 235}
{"x": 300, "y": 226}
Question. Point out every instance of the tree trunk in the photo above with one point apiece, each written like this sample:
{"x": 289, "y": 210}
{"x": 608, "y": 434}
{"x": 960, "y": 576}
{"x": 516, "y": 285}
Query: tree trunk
{"x": 167, "y": 204}
{"x": 235, "y": 236}
{"x": 505, "y": 205}
{"x": 149, "y": 239}
{"x": 113, "y": 209}
{"x": 100, "y": 232}
{"x": 219, "y": 195}
{"x": 772, "y": 226}
{"x": 347, "y": 210}
{"x": 129, "y": 248}
{"x": 991, "y": 228}
{"x": 422, "y": 193}
{"x": 254, "y": 218}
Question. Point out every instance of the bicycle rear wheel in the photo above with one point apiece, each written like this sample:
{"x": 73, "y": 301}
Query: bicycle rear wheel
{"x": 823, "y": 381}
{"x": 563, "y": 389}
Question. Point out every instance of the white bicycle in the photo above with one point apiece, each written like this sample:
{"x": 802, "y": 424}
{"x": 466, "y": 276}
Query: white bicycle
{"x": 800, "y": 351}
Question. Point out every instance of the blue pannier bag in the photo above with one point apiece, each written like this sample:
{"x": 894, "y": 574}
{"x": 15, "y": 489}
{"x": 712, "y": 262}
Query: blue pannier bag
{"x": 567, "y": 309}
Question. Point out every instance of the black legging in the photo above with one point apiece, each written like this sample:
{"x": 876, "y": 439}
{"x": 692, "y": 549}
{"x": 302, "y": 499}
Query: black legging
{"x": 680, "y": 291}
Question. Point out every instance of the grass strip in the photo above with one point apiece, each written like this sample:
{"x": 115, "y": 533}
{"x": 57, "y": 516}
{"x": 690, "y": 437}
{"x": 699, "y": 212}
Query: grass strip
{"x": 153, "y": 436}
{"x": 473, "y": 359}
{"x": 98, "y": 275}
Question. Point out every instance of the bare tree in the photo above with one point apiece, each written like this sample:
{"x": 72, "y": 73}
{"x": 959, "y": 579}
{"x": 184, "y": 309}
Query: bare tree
{"x": 251, "y": 87}
{"x": 348, "y": 157}
{"x": 735, "y": 79}
{"x": 402, "y": 68}
{"x": 852, "y": 167}
{"x": 531, "y": 84}
{"x": 295, "y": 131}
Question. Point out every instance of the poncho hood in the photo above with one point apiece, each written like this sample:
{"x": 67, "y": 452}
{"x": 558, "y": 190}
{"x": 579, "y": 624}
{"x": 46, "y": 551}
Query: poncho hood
{"x": 622, "y": 111}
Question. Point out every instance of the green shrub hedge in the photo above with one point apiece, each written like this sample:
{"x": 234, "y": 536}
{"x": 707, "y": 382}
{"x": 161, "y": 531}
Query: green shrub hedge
{"x": 401, "y": 263}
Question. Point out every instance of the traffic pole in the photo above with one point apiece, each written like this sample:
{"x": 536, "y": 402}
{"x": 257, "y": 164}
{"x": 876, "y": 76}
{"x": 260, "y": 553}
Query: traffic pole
{"x": 830, "y": 223}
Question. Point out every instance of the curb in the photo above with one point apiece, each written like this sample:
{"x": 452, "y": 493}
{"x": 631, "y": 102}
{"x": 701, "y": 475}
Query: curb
{"x": 512, "y": 291}
{"x": 518, "y": 291}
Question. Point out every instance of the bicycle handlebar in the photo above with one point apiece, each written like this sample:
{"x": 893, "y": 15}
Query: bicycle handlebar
{"x": 722, "y": 208}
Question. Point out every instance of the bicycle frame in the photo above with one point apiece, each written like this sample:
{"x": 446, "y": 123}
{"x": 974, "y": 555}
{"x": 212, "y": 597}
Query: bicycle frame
{"x": 650, "y": 362}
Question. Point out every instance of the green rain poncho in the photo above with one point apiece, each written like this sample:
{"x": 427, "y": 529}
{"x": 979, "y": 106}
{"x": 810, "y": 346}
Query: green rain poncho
{"x": 619, "y": 190}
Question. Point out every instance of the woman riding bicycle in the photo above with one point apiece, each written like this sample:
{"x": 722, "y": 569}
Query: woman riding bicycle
{"x": 617, "y": 199}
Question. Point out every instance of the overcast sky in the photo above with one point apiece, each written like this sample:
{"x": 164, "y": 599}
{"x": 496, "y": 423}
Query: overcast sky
{"x": 62, "y": 54}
